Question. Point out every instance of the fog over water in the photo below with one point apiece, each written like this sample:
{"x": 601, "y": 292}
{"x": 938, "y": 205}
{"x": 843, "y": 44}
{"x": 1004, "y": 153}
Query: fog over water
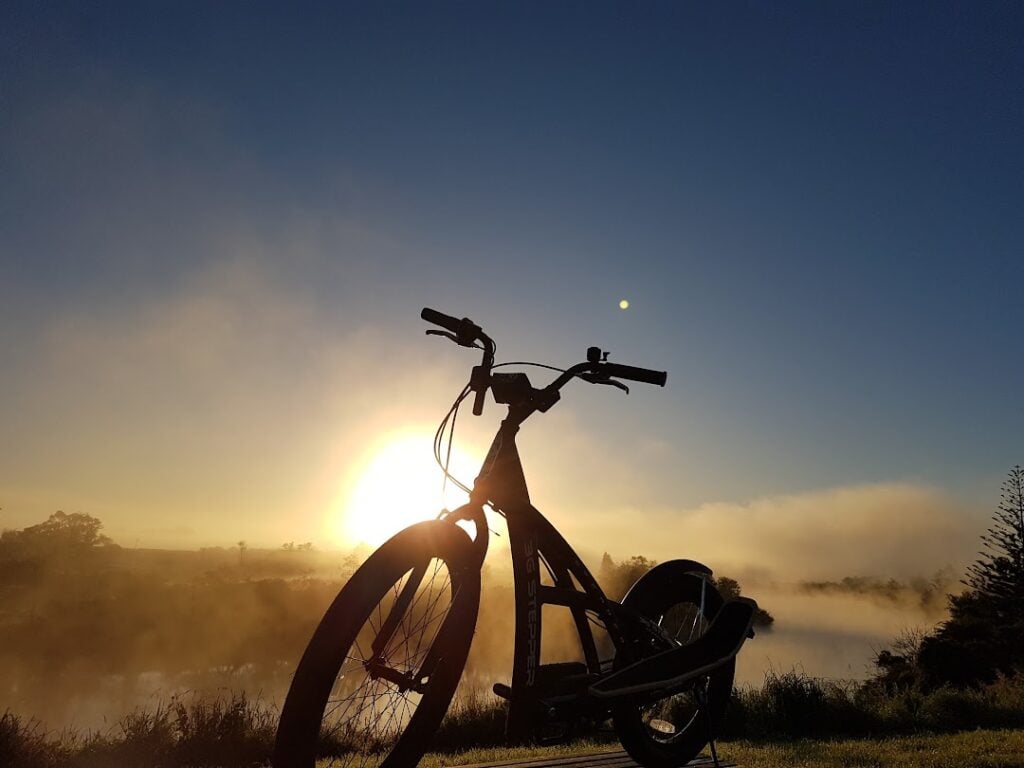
{"x": 827, "y": 635}
{"x": 87, "y": 635}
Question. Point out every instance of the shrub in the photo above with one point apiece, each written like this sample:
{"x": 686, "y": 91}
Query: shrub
{"x": 1006, "y": 701}
{"x": 951, "y": 709}
{"x": 475, "y": 719}
{"x": 793, "y": 705}
{"x": 23, "y": 744}
{"x": 225, "y": 733}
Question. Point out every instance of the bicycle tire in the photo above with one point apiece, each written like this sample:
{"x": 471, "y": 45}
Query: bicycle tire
{"x": 674, "y": 730}
{"x": 335, "y": 660}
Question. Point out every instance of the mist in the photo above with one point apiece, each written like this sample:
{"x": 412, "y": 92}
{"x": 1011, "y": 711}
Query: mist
{"x": 91, "y": 629}
{"x": 899, "y": 529}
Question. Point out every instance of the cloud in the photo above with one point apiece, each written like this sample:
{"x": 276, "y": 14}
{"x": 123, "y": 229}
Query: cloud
{"x": 234, "y": 402}
{"x": 890, "y": 529}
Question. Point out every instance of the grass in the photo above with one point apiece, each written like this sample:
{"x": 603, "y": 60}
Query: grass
{"x": 792, "y": 720}
{"x": 987, "y": 748}
{"x": 977, "y": 749}
{"x": 235, "y": 732}
{"x": 495, "y": 754}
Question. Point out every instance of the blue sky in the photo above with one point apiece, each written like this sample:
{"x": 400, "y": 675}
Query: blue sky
{"x": 815, "y": 211}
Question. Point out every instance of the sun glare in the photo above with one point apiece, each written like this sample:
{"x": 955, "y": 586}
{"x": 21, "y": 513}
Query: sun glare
{"x": 400, "y": 484}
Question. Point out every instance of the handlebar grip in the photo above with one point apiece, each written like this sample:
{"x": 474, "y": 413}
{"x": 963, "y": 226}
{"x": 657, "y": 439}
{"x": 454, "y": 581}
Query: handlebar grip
{"x": 453, "y": 324}
{"x": 644, "y": 375}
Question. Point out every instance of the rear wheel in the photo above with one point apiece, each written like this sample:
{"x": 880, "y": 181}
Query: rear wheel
{"x": 381, "y": 669}
{"x": 672, "y": 731}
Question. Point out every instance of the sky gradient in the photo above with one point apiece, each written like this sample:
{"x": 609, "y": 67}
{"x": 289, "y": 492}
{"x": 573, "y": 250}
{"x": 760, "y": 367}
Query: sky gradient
{"x": 218, "y": 224}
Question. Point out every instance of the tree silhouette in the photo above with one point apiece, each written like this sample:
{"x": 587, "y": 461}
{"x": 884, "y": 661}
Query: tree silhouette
{"x": 62, "y": 537}
{"x": 730, "y": 589}
{"x": 982, "y": 638}
{"x": 999, "y": 574}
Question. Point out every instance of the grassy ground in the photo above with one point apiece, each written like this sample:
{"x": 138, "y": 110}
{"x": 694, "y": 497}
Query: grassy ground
{"x": 982, "y": 748}
{"x": 992, "y": 749}
{"x": 791, "y": 720}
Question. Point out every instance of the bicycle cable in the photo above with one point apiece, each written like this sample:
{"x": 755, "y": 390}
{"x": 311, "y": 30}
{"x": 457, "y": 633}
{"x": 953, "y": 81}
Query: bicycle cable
{"x": 536, "y": 365}
{"x": 448, "y": 424}
{"x": 439, "y": 441}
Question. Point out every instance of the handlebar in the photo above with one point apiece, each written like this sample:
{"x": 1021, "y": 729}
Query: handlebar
{"x": 467, "y": 333}
{"x": 643, "y": 375}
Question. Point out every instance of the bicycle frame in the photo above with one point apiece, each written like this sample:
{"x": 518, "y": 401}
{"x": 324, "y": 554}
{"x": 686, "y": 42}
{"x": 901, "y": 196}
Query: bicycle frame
{"x": 535, "y": 543}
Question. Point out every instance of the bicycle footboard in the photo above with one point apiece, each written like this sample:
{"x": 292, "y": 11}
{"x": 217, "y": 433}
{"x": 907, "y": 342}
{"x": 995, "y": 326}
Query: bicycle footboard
{"x": 673, "y": 669}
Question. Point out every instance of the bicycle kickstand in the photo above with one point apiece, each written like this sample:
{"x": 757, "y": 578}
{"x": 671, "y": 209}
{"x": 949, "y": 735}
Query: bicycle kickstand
{"x": 704, "y": 699}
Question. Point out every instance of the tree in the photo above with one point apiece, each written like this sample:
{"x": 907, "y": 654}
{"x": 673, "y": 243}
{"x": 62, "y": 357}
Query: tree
{"x": 982, "y": 638}
{"x": 62, "y": 544}
{"x": 59, "y": 534}
{"x": 999, "y": 573}
{"x": 617, "y": 578}
{"x": 730, "y": 590}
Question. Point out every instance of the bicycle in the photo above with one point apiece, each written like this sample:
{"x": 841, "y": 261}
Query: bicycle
{"x": 381, "y": 669}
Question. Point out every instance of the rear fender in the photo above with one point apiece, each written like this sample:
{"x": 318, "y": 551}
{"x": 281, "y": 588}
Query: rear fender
{"x": 670, "y": 582}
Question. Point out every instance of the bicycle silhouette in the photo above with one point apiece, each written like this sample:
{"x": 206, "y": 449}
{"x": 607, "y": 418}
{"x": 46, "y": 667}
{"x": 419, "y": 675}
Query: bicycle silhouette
{"x": 382, "y": 667}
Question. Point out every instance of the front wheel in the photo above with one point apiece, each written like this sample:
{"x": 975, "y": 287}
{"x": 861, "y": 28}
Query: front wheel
{"x": 672, "y": 731}
{"x": 381, "y": 669}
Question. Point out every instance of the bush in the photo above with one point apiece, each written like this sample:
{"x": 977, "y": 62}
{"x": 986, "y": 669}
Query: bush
{"x": 233, "y": 733}
{"x": 1006, "y": 702}
{"x": 474, "y": 719}
{"x": 23, "y": 744}
{"x": 892, "y": 710}
{"x": 951, "y": 709}
{"x": 795, "y": 705}
{"x": 227, "y": 733}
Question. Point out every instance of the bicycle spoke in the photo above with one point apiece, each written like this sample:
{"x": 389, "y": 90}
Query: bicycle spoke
{"x": 665, "y": 720}
{"x": 366, "y": 715}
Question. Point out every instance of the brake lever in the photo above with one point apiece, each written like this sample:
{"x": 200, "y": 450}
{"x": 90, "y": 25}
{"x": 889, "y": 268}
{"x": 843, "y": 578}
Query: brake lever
{"x": 446, "y": 334}
{"x": 453, "y": 337}
{"x": 596, "y": 378}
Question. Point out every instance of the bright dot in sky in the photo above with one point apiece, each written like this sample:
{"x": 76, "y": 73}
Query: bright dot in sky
{"x": 623, "y": 304}
{"x": 400, "y": 484}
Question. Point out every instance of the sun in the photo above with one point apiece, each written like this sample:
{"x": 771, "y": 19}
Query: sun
{"x": 398, "y": 484}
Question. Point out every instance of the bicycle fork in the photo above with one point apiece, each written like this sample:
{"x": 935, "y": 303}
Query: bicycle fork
{"x": 378, "y": 665}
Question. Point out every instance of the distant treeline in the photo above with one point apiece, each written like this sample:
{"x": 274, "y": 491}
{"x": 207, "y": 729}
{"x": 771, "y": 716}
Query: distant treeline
{"x": 928, "y": 593}
{"x": 86, "y": 624}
